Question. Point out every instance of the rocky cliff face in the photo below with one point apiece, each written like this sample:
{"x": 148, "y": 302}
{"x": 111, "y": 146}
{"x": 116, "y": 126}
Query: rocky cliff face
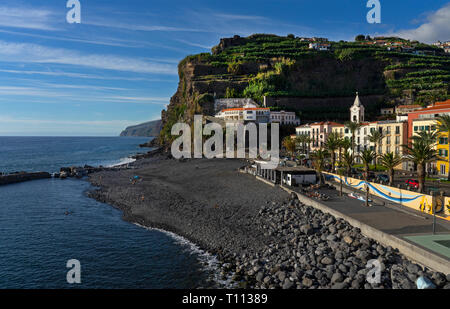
{"x": 285, "y": 69}
{"x": 150, "y": 129}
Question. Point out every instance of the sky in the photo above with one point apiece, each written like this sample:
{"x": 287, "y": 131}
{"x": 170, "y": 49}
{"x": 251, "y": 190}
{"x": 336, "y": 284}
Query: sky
{"x": 118, "y": 67}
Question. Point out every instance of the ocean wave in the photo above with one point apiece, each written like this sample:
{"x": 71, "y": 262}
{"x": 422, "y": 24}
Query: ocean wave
{"x": 122, "y": 161}
{"x": 209, "y": 261}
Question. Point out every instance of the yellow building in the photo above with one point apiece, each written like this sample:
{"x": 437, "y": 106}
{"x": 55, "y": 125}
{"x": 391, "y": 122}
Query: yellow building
{"x": 442, "y": 147}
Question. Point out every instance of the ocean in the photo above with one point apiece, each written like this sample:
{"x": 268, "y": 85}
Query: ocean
{"x": 46, "y": 223}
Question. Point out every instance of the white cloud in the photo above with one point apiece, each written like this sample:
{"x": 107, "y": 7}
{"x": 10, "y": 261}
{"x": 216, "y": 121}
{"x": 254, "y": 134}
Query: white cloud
{"x": 437, "y": 27}
{"x": 25, "y": 52}
{"x": 47, "y": 94}
{"x": 115, "y": 123}
{"x": 86, "y": 76}
{"x": 145, "y": 28}
{"x": 25, "y": 17}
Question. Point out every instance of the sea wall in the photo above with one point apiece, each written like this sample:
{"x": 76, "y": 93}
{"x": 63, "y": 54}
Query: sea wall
{"x": 414, "y": 200}
{"x": 21, "y": 177}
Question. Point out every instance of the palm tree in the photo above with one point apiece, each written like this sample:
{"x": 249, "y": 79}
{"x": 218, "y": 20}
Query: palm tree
{"x": 347, "y": 161}
{"x": 332, "y": 144}
{"x": 289, "y": 144}
{"x": 353, "y": 127}
{"x": 303, "y": 140}
{"x": 367, "y": 156}
{"x": 299, "y": 142}
{"x": 344, "y": 145}
{"x": 443, "y": 128}
{"x": 421, "y": 152}
{"x": 429, "y": 138}
{"x": 390, "y": 161}
{"x": 376, "y": 137}
{"x": 319, "y": 159}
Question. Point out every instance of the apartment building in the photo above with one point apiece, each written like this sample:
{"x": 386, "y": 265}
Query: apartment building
{"x": 395, "y": 135}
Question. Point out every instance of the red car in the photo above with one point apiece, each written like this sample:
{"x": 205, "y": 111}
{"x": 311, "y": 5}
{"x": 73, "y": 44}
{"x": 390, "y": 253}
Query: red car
{"x": 413, "y": 183}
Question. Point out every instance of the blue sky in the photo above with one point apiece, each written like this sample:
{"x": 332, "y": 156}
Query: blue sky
{"x": 119, "y": 66}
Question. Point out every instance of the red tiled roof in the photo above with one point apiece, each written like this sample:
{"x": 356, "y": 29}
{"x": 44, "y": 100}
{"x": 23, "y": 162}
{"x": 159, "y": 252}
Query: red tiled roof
{"x": 409, "y": 106}
{"x": 437, "y": 106}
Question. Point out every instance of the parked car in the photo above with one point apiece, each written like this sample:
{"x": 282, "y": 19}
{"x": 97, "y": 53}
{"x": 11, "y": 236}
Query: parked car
{"x": 383, "y": 177}
{"x": 371, "y": 176}
{"x": 413, "y": 183}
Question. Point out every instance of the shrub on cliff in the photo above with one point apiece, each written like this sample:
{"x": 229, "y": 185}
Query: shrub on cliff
{"x": 234, "y": 68}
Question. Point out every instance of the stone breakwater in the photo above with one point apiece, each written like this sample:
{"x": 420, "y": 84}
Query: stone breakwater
{"x": 22, "y": 177}
{"x": 262, "y": 237}
{"x": 315, "y": 250}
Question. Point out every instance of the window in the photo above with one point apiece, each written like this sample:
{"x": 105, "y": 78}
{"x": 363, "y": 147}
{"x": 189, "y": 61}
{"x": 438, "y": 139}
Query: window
{"x": 442, "y": 169}
{"x": 388, "y": 149}
{"x": 397, "y": 150}
{"x": 397, "y": 140}
{"x": 427, "y": 128}
{"x": 443, "y": 141}
{"x": 416, "y": 128}
{"x": 443, "y": 153}
{"x": 346, "y": 130}
{"x": 388, "y": 140}
{"x": 397, "y": 130}
{"x": 388, "y": 130}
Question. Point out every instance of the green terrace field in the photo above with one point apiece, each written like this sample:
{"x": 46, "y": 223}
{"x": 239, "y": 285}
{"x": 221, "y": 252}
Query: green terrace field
{"x": 278, "y": 57}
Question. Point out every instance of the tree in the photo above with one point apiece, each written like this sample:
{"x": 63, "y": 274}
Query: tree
{"x": 289, "y": 144}
{"x": 390, "y": 161}
{"x": 427, "y": 137}
{"x": 319, "y": 158}
{"x": 360, "y": 37}
{"x": 367, "y": 156}
{"x": 332, "y": 144}
{"x": 303, "y": 141}
{"x": 230, "y": 93}
{"x": 344, "y": 144}
{"x": 376, "y": 137}
{"x": 353, "y": 127}
{"x": 420, "y": 152}
{"x": 234, "y": 68}
{"x": 444, "y": 130}
{"x": 348, "y": 161}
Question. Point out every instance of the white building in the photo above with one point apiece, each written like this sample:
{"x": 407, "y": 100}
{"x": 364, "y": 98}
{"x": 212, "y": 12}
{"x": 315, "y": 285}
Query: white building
{"x": 357, "y": 110}
{"x": 284, "y": 118}
{"x": 320, "y": 46}
{"x": 246, "y": 113}
{"x": 303, "y": 130}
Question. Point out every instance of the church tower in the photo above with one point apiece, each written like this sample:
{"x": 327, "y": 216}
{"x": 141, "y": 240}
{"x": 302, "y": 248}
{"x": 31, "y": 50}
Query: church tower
{"x": 357, "y": 110}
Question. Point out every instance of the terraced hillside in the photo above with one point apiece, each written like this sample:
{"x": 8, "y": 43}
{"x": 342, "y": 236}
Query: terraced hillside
{"x": 268, "y": 65}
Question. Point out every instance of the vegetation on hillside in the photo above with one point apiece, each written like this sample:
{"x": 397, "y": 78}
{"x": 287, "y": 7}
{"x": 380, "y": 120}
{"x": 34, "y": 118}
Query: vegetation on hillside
{"x": 427, "y": 76}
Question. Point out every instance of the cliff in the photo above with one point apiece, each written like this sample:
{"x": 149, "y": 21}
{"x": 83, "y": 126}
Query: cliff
{"x": 316, "y": 84}
{"x": 150, "y": 129}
